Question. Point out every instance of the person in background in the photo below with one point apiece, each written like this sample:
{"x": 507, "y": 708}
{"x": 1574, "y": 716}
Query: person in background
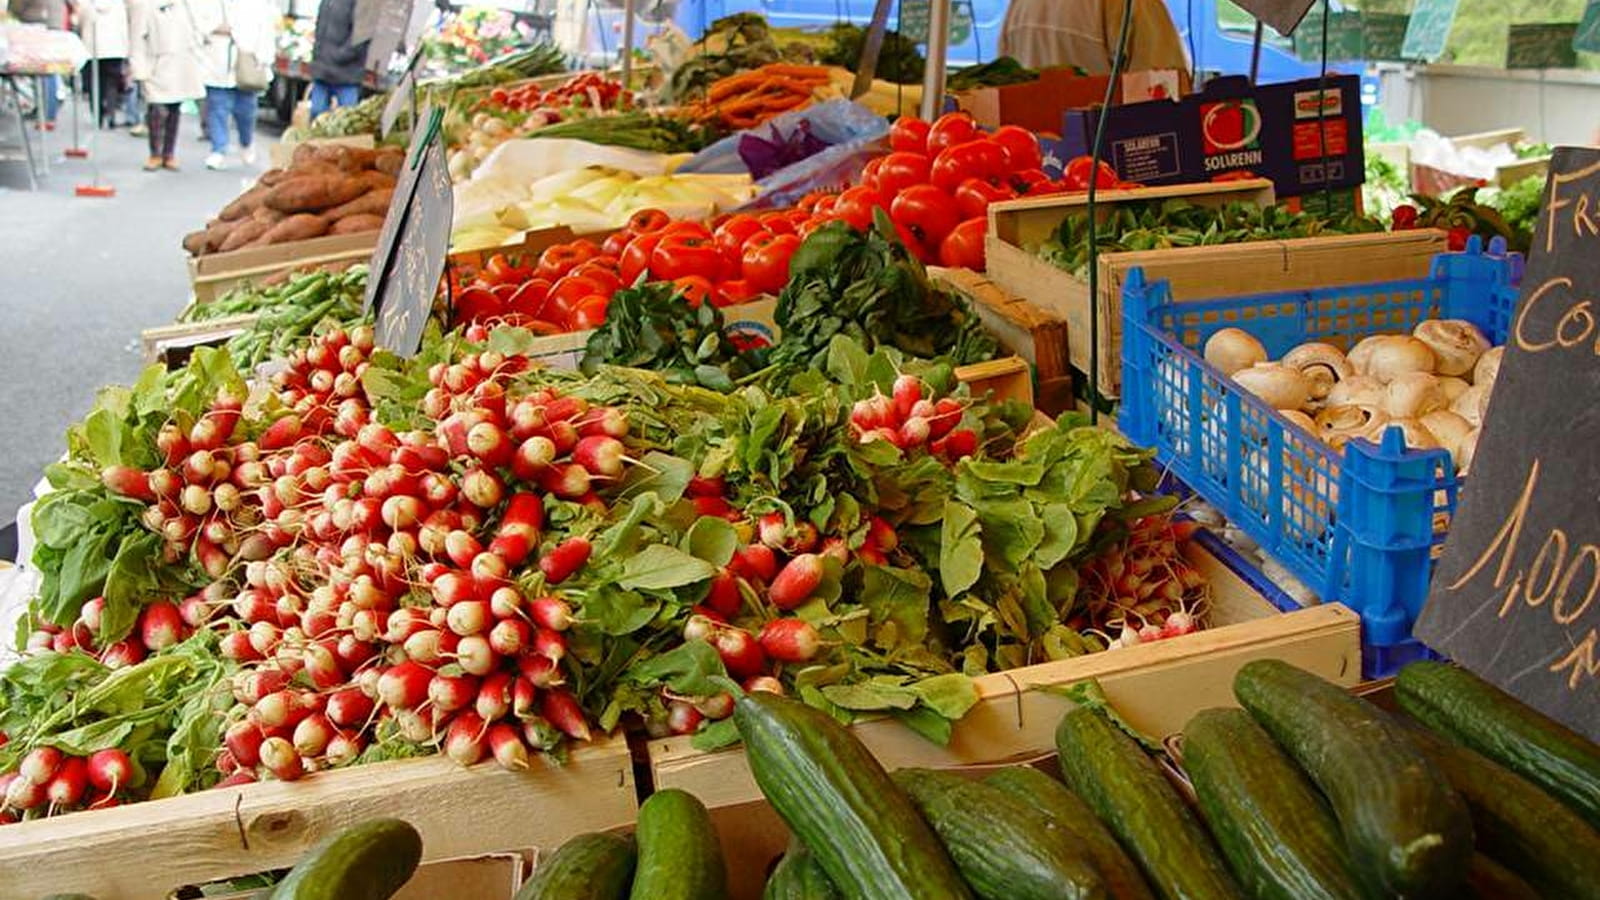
{"x": 164, "y": 50}
{"x": 337, "y": 63}
{"x": 50, "y": 14}
{"x": 232, "y": 27}
{"x": 103, "y": 24}
{"x": 1083, "y": 33}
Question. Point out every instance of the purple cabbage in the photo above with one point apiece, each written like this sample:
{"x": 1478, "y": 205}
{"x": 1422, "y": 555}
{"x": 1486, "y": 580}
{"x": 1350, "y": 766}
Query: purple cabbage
{"x": 764, "y": 157}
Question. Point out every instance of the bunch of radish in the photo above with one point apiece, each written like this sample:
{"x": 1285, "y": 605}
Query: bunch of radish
{"x": 160, "y": 625}
{"x": 1143, "y": 589}
{"x": 913, "y": 416}
{"x": 48, "y": 780}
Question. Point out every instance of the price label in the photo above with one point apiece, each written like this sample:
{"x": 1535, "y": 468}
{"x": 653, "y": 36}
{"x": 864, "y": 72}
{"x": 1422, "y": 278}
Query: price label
{"x": 1516, "y": 595}
{"x": 1542, "y": 46}
{"x": 1428, "y": 29}
{"x": 1587, "y": 38}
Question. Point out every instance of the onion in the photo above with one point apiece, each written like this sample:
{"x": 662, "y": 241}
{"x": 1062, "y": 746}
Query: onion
{"x": 1391, "y": 356}
{"x": 1322, "y": 365}
{"x": 1456, "y": 344}
{"x": 1488, "y": 366}
{"x": 1413, "y": 395}
{"x": 1233, "y": 350}
{"x": 1280, "y": 386}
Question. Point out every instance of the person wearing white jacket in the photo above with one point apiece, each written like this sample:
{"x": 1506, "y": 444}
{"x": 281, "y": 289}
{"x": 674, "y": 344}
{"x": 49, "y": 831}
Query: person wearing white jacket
{"x": 164, "y": 48}
{"x": 103, "y": 25}
{"x": 233, "y": 27}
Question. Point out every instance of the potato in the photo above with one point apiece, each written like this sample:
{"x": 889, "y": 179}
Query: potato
{"x": 303, "y": 226}
{"x": 357, "y": 223}
{"x": 372, "y": 203}
{"x": 309, "y": 193}
{"x": 244, "y": 204}
{"x": 244, "y": 233}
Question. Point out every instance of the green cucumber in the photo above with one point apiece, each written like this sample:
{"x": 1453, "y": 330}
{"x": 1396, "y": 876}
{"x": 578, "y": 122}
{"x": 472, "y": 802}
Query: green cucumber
{"x": 1033, "y": 787}
{"x": 1278, "y": 834}
{"x": 370, "y": 861}
{"x": 1471, "y": 711}
{"x": 1408, "y": 832}
{"x": 588, "y": 867}
{"x": 1004, "y": 848}
{"x": 1127, "y": 791}
{"x": 680, "y": 857}
{"x": 839, "y": 801}
{"x": 1518, "y": 824}
{"x": 1488, "y": 880}
{"x": 799, "y": 876}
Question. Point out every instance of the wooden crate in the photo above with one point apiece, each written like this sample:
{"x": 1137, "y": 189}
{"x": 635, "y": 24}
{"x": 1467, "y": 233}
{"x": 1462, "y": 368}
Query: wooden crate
{"x": 156, "y": 343}
{"x": 1195, "y": 272}
{"x": 144, "y": 850}
{"x": 1022, "y": 329}
{"x": 1157, "y": 686}
{"x": 214, "y": 274}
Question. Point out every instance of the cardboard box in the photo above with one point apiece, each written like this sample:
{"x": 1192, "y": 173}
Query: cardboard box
{"x": 1233, "y": 128}
{"x": 1041, "y": 106}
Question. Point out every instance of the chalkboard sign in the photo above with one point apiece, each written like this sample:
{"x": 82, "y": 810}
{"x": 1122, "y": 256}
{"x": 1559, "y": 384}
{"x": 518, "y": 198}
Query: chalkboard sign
{"x": 405, "y": 298}
{"x": 1516, "y": 595}
{"x": 1346, "y": 36}
{"x": 1428, "y": 29}
{"x": 1281, "y": 15}
{"x": 1588, "y": 37}
{"x": 1383, "y": 35}
{"x": 913, "y": 21}
{"x": 403, "y": 97}
{"x": 1542, "y": 46}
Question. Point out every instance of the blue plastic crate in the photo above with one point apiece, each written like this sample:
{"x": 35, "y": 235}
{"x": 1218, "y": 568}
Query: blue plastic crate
{"x": 1360, "y": 525}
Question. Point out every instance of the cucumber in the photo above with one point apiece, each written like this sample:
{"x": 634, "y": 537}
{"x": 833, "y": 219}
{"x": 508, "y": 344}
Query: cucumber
{"x": 1005, "y": 849}
{"x": 1488, "y": 880}
{"x": 1408, "y": 832}
{"x": 588, "y": 867}
{"x": 1278, "y": 834}
{"x": 1517, "y": 824}
{"x": 1033, "y": 787}
{"x": 680, "y": 857}
{"x": 370, "y": 861}
{"x": 1127, "y": 791}
{"x": 1471, "y": 711}
{"x": 841, "y": 804}
{"x": 799, "y": 877}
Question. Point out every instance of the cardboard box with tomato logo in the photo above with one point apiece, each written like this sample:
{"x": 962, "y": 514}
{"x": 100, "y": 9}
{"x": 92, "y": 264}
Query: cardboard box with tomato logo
{"x": 1303, "y": 136}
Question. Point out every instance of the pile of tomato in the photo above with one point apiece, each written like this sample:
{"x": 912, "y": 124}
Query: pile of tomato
{"x": 589, "y": 90}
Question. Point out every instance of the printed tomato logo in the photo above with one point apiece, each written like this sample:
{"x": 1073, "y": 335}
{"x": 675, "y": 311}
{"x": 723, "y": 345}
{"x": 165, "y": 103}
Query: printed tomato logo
{"x": 1230, "y": 125}
{"x": 747, "y": 335}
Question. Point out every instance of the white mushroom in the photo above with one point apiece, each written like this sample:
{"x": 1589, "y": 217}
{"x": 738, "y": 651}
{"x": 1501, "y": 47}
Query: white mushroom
{"x": 1338, "y": 424}
{"x": 1234, "y": 349}
{"x": 1450, "y": 430}
{"x": 1453, "y": 387}
{"x": 1456, "y": 344}
{"x": 1412, "y": 395}
{"x": 1322, "y": 365}
{"x": 1357, "y": 390}
{"x": 1469, "y": 448}
{"x": 1362, "y": 351}
{"x": 1417, "y": 435}
{"x": 1471, "y": 404}
{"x": 1488, "y": 366}
{"x": 1300, "y": 419}
{"x": 1280, "y": 386}
{"x": 1389, "y": 356}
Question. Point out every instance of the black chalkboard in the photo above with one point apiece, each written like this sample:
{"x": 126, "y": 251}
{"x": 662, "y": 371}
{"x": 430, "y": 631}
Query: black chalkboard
{"x": 403, "y": 97}
{"x": 1383, "y": 35}
{"x": 1516, "y": 595}
{"x": 1428, "y": 29}
{"x": 414, "y": 242}
{"x": 1283, "y": 16}
{"x": 1542, "y": 46}
{"x": 1345, "y": 36}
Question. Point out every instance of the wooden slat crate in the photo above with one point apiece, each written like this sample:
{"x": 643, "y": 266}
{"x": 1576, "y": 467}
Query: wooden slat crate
{"x": 143, "y": 851}
{"x": 1023, "y": 329}
{"x": 157, "y": 342}
{"x": 1195, "y": 272}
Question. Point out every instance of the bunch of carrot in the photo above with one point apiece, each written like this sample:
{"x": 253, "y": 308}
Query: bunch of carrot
{"x": 750, "y": 98}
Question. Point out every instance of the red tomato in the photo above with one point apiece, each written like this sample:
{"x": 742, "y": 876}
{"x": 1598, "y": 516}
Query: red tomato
{"x": 503, "y": 292}
{"x": 869, "y": 172}
{"x": 902, "y": 170}
{"x": 1020, "y": 144}
{"x": 565, "y": 294}
{"x": 560, "y": 259}
{"x": 927, "y": 212}
{"x": 975, "y": 159}
{"x": 589, "y": 313}
{"x": 963, "y": 246}
{"x": 974, "y": 196}
{"x": 530, "y": 298}
{"x": 825, "y": 205}
{"x": 952, "y": 129}
{"x": 694, "y": 229}
{"x": 856, "y": 205}
{"x": 808, "y": 203}
{"x": 732, "y": 234}
{"x": 777, "y": 223}
{"x": 1024, "y": 179}
{"x": 766, "y": 262}
{"x": 617, "y": 241}
{"x": 497, "y": 271}
{"x": 600, "y": 273}
{"x": 1076, "y": 176}
{"x": 635, "y": 259}
{"x": 912, "y": 244}
{"x": 684, "y": 253}
{"x": 696, "y": 289}
{"x": 737, "y": 290}
{"x": 477, "y": 304}
{"x": 647, "y": 220}
{"x": 909, "y": 134}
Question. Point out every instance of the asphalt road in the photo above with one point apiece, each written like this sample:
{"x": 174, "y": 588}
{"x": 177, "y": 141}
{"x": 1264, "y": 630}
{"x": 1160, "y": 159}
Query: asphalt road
{"x": 81, "y": 276}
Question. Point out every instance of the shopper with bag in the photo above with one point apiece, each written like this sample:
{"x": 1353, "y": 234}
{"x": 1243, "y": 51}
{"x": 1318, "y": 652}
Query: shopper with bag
{"x": 165, "y": 46}
{"x": 103, "y": 24}
{"x": 239, "y": 45}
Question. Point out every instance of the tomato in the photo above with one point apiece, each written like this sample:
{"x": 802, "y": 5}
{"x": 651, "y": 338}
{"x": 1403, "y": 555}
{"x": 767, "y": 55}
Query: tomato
{"x": 825, "y": 205}
{"x": 636, "y": 258}
{"x": 952, "y": 129}
{"x": 502, "y": 292}
{"x": 909, "y": 134}
{"x": 1403, "y": 217}
{"x": 856, "y": 205}
{"x": 975, "y": 159}
{"x": 617, "y": 241}
{"x": 1046, "y": 188}
{"x": 974, "y": 195}
{"x": 684, "y": 253}
{"x": 766, "y": 262}
{"x": 777, "y": 223}
{"x": 912, "y": 244}
{"x": 927, "y": 212}
{"x": 477, "y": 304}
{"x": 963, "y": 246}
{"x": 565, "y": 294}
{"x": 1025, "y": 179}
{"x": 693, "y": 229}
{"x": 560, "y": 259}
{"x": 808, "y": 203}
{"x": 647, "y": 220}
{"x": 601, "y": 274}
{"x": 697, "y": 289}
{"x": 1076, "y": 176}
{"x": 590, "y": 312}
{"x": 497, "y": 271}
{"x": 529, "y": 299}
{"x": 869, "y": 172}
{"x": 737, "y": 290}
{"x": 1020, "y": 145}
{"x": 902, "y": 170}
{"x": 732, "y": 235}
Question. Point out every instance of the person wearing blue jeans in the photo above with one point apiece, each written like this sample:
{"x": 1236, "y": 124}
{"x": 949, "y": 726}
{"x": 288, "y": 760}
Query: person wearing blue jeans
{"x": 324, "y": 96}
{"x": 338, "y": 63}
{"x": 222, "y": 104}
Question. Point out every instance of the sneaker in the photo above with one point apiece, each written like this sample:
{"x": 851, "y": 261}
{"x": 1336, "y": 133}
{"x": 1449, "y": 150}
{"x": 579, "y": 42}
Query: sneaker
{"x": 216, "y": 162}
{"x": 138, "y": 130}
{"x": 248, "y": 156}
{"x": 152, "y": 163}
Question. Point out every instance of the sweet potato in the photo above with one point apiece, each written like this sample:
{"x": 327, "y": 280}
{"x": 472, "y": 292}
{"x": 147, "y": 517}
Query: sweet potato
{"x": 194, "y": 243}
{"x": 346, "y": 159}
{"x": 357, "y": 223}
{"x": 216, "y": 233}
{"x": 268, "y": 215}
{"x": 303, "y": 226}
{"x": 372, "y": 203}
{"x": 309, "y": 193}
{"x": 244, "y": 204}
{"x": 389, "y": 160}
{"x": 374, "y": 179}
{"x": 272, "y": 176}
{"x": 244, "y": 233}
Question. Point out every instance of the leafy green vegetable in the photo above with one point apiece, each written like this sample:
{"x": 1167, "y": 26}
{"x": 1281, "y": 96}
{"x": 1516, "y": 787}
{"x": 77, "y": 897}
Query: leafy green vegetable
{"x": 654, "y": 327}
{"x": 997, "y": 72}
{"x": 899, "y": 60}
